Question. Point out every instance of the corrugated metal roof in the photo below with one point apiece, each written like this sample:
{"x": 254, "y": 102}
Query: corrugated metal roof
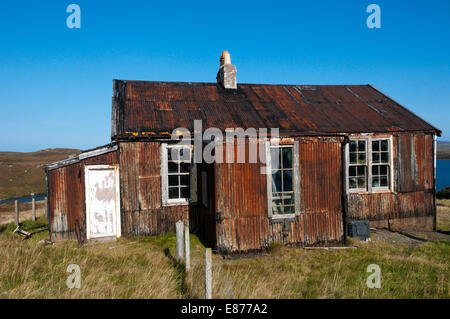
{"x": 146, "y": 109}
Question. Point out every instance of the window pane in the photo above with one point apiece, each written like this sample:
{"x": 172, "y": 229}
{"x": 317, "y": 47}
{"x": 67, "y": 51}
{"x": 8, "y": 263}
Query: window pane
{"x": 375, "y": 169}
{"x": 275, "y": 157}
{"x": 185, "y": 180}
{"x": 352, "y": 158}
{"x": 173, "y": 167}
{"x": 173, "y": 192}
{"x": 352, "y": 171}
{"x": 361, "y": 146}
{"x": 384, "y": 157}
{"x": 185, "y": 192}
{"x": 375, "y": 181}
{"x": 352, "y": 146}
{"x": 185, "y": 154}
{"x": 376, "y": 157}
{"x": 277, "y": 199}
{"x": 288, "y": 199}
{"x": 287, "y": 180}
{"x": 277, "y": 210}
{"x": 375, "y": 146}
{"x": 173, "y": 180}
{"x": 383, "y": 170}
{"x": 361, "y": 171}
{"x": 383, "y": 181}
{"x": 185, "y": 167}
{"x": 172, "y": 153}
{"x": 288, "y": 209}
{"x": 276, "y": 181}
{"x": 352, "y": 183}
{"x": 384, "y": 145}
{"x": 287, "y": 157}
{"x": 361, "y": 158}
{"x": 361, "y": 182}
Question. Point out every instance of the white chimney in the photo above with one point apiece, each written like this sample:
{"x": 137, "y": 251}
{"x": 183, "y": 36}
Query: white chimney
{"x": 227, "y": 72}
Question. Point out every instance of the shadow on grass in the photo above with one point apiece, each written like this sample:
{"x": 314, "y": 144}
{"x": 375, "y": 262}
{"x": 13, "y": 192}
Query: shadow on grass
{"x": 180, "y": 270}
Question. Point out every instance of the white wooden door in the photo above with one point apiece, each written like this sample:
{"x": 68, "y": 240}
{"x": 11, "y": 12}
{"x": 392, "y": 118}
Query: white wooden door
{"x": 102, "y": 201}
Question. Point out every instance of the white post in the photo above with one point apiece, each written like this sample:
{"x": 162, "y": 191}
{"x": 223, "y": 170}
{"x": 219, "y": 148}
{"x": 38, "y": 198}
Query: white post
{"x": 187, "y": 247}
{"x": 180, "y": 250}
{"x": 208, "y": 273}
{"x": 33, "y": 207}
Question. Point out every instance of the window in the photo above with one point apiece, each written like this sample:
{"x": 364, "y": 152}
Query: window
{"x": 357, "y": 171}
{"x": 380, "y": 163}
{"x": 282, "y": 179}
{"x": 176, "y": 167}
{"x": 369, "y": 164}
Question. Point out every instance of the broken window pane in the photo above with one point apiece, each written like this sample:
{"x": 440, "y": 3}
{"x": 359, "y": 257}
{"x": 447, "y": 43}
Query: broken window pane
{"x": 275, "y": 158}
{"x": 276, "y": 181}
{"x": 287, "y": 157}
{"x": 287, "y": 180}
{"x": 282, "y": 176}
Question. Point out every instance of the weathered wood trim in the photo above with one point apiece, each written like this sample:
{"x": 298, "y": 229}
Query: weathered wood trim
{"x": 97, "y": 152}
{"x": 296, "y": 172}
{"x": 346, "y": 166}
{"x": 87, "y": 154}
{"x": 164, "y": 177}
{"x": 268, "y": 179}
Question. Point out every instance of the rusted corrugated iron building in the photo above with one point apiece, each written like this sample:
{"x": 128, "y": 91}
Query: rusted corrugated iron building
{"x": 343, "y": 151}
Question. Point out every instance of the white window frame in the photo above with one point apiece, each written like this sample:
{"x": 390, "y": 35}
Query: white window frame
{"x": 166, "y": 201}
{"x": 369, "y": 188}
{"x": 358, "y": 190}
{"x": 296, "y": 179}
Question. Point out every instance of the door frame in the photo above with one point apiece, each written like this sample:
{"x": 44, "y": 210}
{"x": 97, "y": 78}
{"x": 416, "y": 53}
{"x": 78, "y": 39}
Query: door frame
{"x": 115, "y": 167}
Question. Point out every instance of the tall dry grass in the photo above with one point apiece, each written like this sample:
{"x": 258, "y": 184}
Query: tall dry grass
{"x": 145, "y": 268}
{"x": 140, "y": 270}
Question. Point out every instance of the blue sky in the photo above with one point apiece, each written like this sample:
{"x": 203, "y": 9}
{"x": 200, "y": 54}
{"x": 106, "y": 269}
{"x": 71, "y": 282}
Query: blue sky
{"x": 56, "y": 82}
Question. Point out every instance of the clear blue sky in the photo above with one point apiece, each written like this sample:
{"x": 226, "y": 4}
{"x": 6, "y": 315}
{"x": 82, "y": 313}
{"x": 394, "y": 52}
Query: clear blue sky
{"x": 56, "y": 82}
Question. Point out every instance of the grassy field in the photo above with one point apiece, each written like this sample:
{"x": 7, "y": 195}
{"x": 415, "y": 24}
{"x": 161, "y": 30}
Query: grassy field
{"x": 145, "y": 268}
{"x": 443, "y": 213}
{"x": 23, "y": 173}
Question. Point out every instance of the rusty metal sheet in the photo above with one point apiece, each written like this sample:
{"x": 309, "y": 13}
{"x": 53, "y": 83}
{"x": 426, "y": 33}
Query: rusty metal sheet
{"x": 241, "y": 201}
{"x": 142, "y": 210}
{"x": 152, "y": 109}
{"x": 66, "y": 195}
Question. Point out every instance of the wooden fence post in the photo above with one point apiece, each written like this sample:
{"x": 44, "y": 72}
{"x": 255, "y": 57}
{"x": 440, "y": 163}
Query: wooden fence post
{"x": 33, "y": 207}
{"x": 208, "y": 273}
{"x": 16, "y": 212}
{"x": 180, "y": 250}
{"x": 187, "y": 247}
{"x": 45, "y": 206}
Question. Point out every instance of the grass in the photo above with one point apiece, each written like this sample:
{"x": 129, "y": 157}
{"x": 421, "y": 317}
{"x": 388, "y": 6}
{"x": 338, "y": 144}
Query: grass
{"x": 23, "y": 173}
{"x": 145, "y": 268}
{"x": 443, "y": 215}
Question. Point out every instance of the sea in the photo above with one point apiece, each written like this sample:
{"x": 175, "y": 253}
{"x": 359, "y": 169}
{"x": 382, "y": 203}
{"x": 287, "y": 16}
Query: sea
{"x": 442, "y": 174}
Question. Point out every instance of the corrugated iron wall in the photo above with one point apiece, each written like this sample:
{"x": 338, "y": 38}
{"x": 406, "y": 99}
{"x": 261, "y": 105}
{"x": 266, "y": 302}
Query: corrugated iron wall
{"x": 66, "y": 195}
{"x": 241, "y": 201}
{"x": 140, "y": 176}
{"x": 411, "y": 206}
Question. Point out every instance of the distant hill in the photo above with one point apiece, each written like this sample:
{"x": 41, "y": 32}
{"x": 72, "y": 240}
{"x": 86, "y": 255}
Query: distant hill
{"x": 443, "y": 150}
{"x": 23, "y": 173}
